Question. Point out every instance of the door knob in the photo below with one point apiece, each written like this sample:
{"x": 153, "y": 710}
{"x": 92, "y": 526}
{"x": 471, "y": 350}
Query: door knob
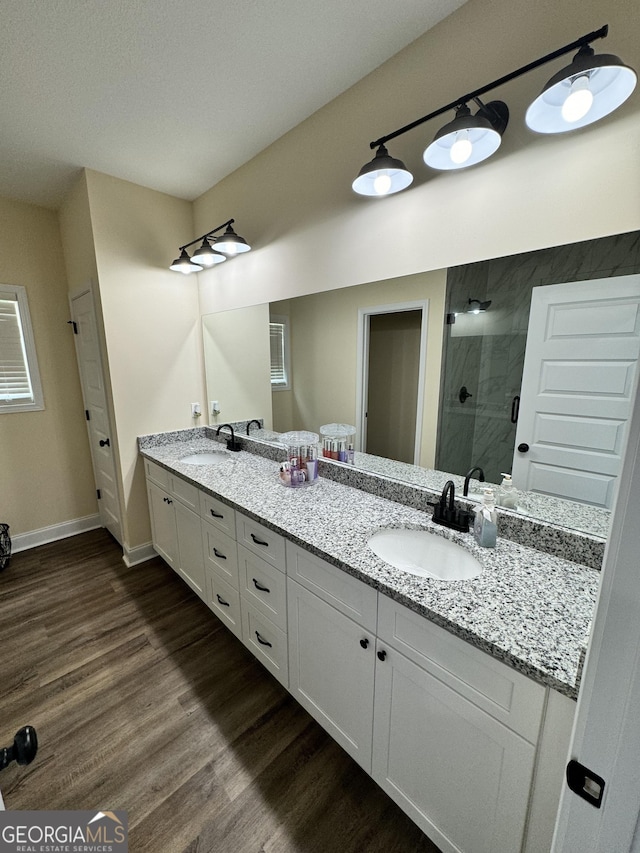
{"x": 463, "y": 394}
{"x": 105, "y": 443}
{"x": 523, "y": 448}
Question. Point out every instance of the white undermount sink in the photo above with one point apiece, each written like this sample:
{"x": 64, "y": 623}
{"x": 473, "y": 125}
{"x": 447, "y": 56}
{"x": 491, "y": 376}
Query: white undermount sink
{"x": 206, "y": 458}
{"x": 424, "y": 554}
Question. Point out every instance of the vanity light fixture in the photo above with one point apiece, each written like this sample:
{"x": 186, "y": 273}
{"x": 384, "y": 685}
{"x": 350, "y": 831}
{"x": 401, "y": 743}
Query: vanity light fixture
{"x": 585, "y": 91}
{"x": 208, "y": 255}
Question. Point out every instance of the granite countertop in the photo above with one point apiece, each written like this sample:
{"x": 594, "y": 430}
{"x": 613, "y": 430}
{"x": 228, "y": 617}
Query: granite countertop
{"x": 527, "y": 608}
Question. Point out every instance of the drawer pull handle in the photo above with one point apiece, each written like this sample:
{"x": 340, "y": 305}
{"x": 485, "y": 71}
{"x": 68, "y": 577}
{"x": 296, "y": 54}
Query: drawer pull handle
{"x": 259, "y": 541}
{"x": 364, "y": 643}
{"x": 382, "y": 655}
{"x": 222, "y": 601}
{"x": 263, "y": 641}
{"x": 168, "y": 500}
{"x": 258, "y": 586}
{"x": 218, "y": 554}
{"x": 216, "y": 514}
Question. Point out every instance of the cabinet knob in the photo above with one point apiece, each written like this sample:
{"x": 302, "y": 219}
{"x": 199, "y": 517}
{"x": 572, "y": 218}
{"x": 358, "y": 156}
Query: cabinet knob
{"x": 105, "y": 443}
{"x": 382, "y": 655}
{"x": 523, "y": 448}
{"x": 364, "y": 643}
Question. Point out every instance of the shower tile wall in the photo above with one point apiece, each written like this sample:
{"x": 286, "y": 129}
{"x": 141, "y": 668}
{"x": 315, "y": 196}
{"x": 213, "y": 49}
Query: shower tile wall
{"x": 485, "y": 353}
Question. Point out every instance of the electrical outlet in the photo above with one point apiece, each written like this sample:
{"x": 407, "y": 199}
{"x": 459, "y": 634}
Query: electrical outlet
{"x": 215, "y": 407}
{"x": 195, "y": 410}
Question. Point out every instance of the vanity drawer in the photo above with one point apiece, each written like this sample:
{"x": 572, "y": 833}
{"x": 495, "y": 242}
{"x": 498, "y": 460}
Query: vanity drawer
{"x": 218, "y": 514}
{"x": 264, "y": 586}
{"x": 347, "y": 594}
{"x": 184, "y": 492}
{"x": 266, "y": 641}
{"x": 262, "y": 541}
{"x": 158, "y": 475}
{"x": 220, "y": 554}
{"x": 224, "y": 601}
{"x": 504, "y": 693}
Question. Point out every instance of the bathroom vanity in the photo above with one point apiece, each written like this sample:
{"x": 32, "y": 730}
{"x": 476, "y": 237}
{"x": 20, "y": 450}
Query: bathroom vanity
{"x": 456, "y": 696}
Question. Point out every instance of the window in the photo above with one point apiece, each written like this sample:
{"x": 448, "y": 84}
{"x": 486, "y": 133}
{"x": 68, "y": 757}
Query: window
{"x": 20, "y": 389}
{"x": 279, "y": 343}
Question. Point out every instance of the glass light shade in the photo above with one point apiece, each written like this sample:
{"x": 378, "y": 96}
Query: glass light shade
{"x": 604, "y": 77}
{"x": 184, "y": 264}
{"x": 206, "y": 256}
{"x": 384, "y": 175}
{"x": 231, "y": 243}
{"x": 463, "y": 142}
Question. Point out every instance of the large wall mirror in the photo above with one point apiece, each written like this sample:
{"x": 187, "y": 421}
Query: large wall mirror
{"x": 474, "y": 322}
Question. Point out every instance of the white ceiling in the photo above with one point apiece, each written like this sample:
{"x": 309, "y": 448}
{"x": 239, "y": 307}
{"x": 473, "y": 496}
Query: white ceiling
{"x": 176, "y": 95}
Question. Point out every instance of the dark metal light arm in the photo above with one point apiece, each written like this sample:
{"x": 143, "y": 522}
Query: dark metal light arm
{"x": 208, "y": 234}
{"x": 578, "y": 43}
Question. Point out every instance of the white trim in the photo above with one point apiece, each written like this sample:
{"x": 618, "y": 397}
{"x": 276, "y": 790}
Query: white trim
{"x": 362, "y": 359}
{"x": 139, "y": 554}
{"x": 33, "y": 538}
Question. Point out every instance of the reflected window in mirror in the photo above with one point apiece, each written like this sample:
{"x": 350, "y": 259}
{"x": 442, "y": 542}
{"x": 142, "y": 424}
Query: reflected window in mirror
{"x": 280, "y": 353}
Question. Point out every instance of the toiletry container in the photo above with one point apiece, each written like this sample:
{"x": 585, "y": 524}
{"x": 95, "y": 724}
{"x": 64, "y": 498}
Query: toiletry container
{"x": 485, "y": 526}
{"x": 301, "y": 465}
{"x": 507, "y": 496}
{"x": 337, "y": 442}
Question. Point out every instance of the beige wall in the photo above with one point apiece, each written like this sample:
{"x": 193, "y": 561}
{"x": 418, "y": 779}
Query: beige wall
{"x": 151, "y": 321}
{"x": 294, "y": 203}
{"x": 236, "y": 354}
{"x": 45, "y": 470}
{"x": 324, "y": 331}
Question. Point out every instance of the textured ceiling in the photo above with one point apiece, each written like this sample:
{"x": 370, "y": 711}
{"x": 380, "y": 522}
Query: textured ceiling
{"x": 175, "y": 96}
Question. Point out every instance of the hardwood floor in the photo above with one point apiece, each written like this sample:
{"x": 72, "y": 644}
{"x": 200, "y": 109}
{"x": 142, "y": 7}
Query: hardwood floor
{"x": 143, "y": 701}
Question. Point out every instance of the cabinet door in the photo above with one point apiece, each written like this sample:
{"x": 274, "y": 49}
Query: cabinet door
{"x": 190, "y": 556}
{"x": 331, "y": 669}
{"x": 462, "y": 776}
{"x": 163, "y": 524}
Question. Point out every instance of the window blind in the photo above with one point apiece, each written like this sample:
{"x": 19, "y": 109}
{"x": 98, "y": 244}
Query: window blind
{"x": 278, "y": 361}
{"x": 15, "y": 383}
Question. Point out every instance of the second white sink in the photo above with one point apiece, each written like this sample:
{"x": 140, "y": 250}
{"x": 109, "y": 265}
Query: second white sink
{"x": 424, "y": 554}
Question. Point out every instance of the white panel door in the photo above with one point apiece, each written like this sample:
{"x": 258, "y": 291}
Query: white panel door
{"x": 95, "y": 402}
{"x": 577, "y": 388}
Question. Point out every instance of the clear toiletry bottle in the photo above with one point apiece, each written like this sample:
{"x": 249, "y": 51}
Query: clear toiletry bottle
{"x": 485, "y": 526}
{"x": 507, "y": 496}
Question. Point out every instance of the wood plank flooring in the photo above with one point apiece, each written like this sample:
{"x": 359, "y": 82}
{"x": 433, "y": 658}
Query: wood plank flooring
{"x": 143, "y": 701}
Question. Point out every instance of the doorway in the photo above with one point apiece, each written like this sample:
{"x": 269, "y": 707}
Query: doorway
{"x": 391, "y": 369}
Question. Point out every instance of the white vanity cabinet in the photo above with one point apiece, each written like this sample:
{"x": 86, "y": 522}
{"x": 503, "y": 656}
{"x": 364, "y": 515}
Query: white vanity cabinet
{"x": 455, "y": 735}
{"x": 262, "y": 580}
{"x": 332, "y": 623}
{"x": 175, "y": 524}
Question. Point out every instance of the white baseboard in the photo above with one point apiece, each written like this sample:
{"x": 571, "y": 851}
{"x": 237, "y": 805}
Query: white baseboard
{"x": 33, "y": 538}
{"x": 137, "y": 555}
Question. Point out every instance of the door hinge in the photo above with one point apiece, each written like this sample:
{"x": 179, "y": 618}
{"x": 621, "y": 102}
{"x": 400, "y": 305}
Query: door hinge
{"x": 98, "y": 494}
{"x": 87, "y": 415}
{"x": 585, "y": 783}
{"x": 451, "y": 318}
{"x": 75, "y": 326}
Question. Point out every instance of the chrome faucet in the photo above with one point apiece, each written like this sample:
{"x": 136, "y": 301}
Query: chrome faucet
{"x": 469, "y": 475}
{"x": 232, "y": 444}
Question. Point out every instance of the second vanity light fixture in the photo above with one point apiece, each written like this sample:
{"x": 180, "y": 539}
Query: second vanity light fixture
{"x": 207, "y": 255}
{"x": 583, "y": 92}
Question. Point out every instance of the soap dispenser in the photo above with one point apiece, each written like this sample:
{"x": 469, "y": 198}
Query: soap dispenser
{"x": 507, "y": 496}
{"x": 485, "y": 526}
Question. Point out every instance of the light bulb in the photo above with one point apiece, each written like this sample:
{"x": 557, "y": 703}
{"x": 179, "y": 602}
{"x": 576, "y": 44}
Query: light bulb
{"x": 578, "y": 102}
{"x": 462, "y": 148}
{"x": 382, "y": 184}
